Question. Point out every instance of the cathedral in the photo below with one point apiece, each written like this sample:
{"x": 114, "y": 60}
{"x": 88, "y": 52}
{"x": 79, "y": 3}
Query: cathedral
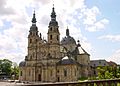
{"x": 53, "y": 60}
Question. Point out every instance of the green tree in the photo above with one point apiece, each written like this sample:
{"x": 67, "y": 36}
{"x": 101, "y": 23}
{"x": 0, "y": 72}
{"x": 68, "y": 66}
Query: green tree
{"x": 15, "y": 70}
{"x": 5, "y": 66}
{"x": 101, "y": 72}
{"x": 9, "y": 68}
{"x": 108, "y": 72}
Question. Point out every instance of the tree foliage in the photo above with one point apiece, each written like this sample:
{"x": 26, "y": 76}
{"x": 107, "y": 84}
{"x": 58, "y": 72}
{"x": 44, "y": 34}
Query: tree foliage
{"x": 5, "y": 66}
{"x": 108, "y": 72}
{"x": 9, "y": 68}
{"x": 15, "y": 70}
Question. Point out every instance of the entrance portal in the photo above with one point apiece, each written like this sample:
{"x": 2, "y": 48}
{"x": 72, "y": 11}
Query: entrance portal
{"x": 39, "y": 77}
{"x": 58, "y": 79}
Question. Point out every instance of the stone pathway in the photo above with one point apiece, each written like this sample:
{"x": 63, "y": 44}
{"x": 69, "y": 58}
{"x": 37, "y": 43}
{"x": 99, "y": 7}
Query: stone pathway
{"x": 9, "y": 84}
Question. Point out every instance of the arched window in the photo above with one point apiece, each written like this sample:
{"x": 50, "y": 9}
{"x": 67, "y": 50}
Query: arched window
{"x": 75, "y": 72}
{"x": 30, "y": 33}
{"x": 51, "y": 73}
{"x": 50, "y": 37}
{"x": 29, "y": 72}
{"x": 36, "y": 33}
{"x": 20, "y": 73}
{"x": 58, "y": 79}
{"x": 36, "y": 40}
{"x": 57, "y": 37}
{"x": 65, "y": 72}
{"x": 94, "y": 72}
{"x": 30, "y": 40}
{"x": 58, "y": 71}
{"x": 51, "y": 29}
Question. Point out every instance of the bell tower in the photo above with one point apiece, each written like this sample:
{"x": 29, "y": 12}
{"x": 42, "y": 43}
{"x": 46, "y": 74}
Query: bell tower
{"x": 54, "y": 35}
{"x": 33, "y": 38}
{"x": 53, "y": 31}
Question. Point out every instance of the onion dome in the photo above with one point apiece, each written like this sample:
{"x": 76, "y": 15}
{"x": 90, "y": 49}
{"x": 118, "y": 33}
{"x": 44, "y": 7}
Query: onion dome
{"x": 68, "y": 39}
{"x": 33, "y": 27}
{"x": 53, "y": 21}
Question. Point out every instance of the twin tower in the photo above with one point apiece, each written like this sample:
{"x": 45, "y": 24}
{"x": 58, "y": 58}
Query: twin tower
{"x": 53, "y": 36}
{"x": 53, "y": 60}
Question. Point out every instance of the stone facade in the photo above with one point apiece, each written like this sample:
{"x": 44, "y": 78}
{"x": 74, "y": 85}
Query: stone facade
{"x": 96, "y": 63}
{"x": 53, "y": 60}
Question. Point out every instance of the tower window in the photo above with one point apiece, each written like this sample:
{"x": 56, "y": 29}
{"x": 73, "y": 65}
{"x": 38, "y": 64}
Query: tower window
{"x": 57, "y": 37}
{"x": 51, "y": 29}
{"x": 94, "y": 73}
{"x": 57, "y": 29}
{"x": 51, "y": 73}
{"x": 36, "y": 40}
{"x": 65, "y": 72}
{"x": 30, "y": 40}
{"x": 58, "y": 79}
{"x": 30, "y": 33}
{"x": 75, "y": 72}
{"x": 20, "y": 73}
{"x": 50, "y": 37}
{"x": 29, "y": 72}
{"x": 58, "y": 71}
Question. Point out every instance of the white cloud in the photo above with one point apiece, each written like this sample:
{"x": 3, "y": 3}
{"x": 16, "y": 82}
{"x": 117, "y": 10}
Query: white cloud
{"x": 101, "y": 24}
{"x": 14, "y": 38}
{"x": 90, "y": 20}
{"x": 115, "y": 57}
{"x": 90, "y": 15}
{"x": 112, "y": 38}
{"x": 5, "y": 10}
{"x": 1, "y": 23}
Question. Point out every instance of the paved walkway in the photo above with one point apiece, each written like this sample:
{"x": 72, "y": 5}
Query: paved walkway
{"x": 9, "y": 83}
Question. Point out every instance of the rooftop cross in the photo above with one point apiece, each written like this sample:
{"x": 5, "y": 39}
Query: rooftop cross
{"x": 67, "y": 31}
{"x": 34, "y": 19}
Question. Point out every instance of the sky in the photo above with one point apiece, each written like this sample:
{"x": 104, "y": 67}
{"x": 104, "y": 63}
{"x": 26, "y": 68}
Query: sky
{"x": 94, "y": 22}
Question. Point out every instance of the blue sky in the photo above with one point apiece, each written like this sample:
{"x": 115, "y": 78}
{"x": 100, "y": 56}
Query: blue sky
{"x": 107, "y": 45}
{"x": 94, "y": 22}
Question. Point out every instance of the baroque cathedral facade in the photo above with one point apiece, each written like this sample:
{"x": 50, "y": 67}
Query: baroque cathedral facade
{"x": 53, "y": 60}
